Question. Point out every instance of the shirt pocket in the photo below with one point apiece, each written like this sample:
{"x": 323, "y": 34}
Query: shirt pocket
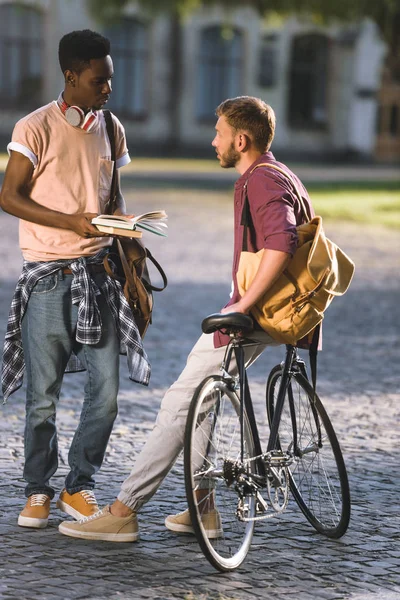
{"x": 105, "y": 178}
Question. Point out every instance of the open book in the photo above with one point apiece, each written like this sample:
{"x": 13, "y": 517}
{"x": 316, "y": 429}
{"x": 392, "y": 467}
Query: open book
{"x": 153, "y": 221}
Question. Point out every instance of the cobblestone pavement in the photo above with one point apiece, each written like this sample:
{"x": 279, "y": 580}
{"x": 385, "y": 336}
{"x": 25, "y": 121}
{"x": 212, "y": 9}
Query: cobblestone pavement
{"x": 358, "y": 381}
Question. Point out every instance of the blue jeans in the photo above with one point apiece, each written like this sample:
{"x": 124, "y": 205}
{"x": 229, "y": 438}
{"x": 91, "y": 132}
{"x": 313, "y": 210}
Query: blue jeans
{"x": 48, "y": 338}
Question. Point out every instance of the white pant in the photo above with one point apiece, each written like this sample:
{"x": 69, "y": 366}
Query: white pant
{"x": 166, "y": 440}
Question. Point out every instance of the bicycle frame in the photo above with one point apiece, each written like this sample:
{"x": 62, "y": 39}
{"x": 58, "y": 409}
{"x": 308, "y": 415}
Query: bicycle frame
{"x": 246, "y": 405}
{"x": 246, "y": 481}
{"x": 291, "y": 362}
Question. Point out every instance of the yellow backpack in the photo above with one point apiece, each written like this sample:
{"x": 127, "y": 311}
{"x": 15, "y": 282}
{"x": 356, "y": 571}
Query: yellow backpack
{"x": 318, "y": 272}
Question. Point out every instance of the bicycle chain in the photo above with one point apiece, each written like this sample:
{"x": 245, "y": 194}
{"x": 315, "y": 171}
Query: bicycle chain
{"x": 276, "y": 511}
{"x": 260, "y": 518}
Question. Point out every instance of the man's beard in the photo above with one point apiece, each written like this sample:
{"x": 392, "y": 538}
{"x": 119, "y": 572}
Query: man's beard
{"x": 230, "y": 158}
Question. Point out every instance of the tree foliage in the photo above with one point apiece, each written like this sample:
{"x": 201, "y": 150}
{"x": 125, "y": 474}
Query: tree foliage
{"x": 385, "y": 13}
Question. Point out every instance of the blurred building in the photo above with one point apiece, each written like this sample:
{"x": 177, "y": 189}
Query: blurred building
{"x": 325, "y": 83}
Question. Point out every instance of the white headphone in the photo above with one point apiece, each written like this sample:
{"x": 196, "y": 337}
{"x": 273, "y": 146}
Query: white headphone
{"x": 75, "y": 116}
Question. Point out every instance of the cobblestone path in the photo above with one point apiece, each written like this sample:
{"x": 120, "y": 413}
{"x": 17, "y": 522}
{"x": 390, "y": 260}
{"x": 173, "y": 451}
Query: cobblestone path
{"x": 358, "y": 382}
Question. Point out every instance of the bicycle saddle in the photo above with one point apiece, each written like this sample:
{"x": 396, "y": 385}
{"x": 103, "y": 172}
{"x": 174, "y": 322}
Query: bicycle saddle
{"x": 231, "y": 322}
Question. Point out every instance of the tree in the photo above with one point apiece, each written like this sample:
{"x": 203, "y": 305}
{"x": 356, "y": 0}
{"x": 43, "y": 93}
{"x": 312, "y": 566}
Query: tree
{"x": 385, "y": 13}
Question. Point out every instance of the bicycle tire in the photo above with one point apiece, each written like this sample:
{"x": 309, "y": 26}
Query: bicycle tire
{"x": 318, "y": 476}
{"x": 212, "y": 446}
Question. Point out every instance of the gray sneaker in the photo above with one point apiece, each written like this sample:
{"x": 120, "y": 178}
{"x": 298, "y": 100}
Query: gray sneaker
{"x": 182, "y": 523}
{"x": 103, "y": 526}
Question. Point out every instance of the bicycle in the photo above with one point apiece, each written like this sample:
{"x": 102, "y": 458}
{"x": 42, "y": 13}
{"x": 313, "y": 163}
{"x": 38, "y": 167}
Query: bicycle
{"x": 226, "y": 469}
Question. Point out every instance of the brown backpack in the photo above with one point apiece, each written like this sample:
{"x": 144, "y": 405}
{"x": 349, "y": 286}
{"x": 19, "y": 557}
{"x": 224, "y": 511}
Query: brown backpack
{"x": 318, "y": 272}
{"x": 129, "y": 259}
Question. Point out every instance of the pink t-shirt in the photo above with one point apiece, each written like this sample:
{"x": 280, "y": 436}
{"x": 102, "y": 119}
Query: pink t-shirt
{"x": 72, "y": 174}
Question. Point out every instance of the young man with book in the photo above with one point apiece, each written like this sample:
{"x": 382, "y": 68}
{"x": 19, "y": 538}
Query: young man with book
{"x": 67, "y": 314}
{"x": 244, "y": 133}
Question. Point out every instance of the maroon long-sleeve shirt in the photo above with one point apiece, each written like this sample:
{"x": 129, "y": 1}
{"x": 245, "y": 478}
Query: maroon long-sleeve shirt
{"x": 275, "y": 212}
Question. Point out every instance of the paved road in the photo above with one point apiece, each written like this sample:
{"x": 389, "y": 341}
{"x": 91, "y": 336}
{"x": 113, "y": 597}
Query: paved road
{"x": 359, "y": 381}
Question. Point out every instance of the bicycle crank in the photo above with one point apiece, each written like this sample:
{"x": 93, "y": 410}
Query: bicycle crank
{"x": 278, "y": 489}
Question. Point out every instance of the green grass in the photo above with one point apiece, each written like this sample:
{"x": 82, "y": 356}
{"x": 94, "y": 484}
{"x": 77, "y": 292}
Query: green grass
{"x": 374, "y": 202}
{"x": 378, "y": 204}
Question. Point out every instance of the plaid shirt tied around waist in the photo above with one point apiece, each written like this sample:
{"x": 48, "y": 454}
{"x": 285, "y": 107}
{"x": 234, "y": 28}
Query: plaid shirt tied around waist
{"x": 84, "y": 291}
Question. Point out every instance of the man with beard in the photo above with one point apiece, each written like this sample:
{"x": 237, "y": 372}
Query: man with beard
{"x": 244, "y": 133}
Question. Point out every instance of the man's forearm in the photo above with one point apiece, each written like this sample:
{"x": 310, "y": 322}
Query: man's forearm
{"x": 23, "y": 207}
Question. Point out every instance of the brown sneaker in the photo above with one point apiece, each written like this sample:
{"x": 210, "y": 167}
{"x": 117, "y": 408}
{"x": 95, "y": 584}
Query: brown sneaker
{"x": 182, "y": 523}
{"x": 103, "y": 526}
{"x": 36, "y": 512}
{"x": 79, "y": 505}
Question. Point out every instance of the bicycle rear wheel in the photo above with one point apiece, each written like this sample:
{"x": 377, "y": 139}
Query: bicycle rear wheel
{"x": 318, "y": 477}
{"x": 212, "y": 461}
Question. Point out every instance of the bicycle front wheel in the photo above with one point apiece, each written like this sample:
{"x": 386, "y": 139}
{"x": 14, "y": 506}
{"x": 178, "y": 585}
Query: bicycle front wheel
{"x": 214, "y": 461}
{"x": 318, "y": 477}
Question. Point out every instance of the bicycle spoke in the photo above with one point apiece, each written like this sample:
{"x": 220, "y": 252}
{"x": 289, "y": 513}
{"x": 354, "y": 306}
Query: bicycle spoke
{"x": 213, "y": 447}
{"x": 318, "y": 478}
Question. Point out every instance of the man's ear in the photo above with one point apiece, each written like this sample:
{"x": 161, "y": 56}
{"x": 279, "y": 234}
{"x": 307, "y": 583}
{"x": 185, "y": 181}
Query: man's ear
{"x": 69, "y": 77}
{"x": 243, "y": 142}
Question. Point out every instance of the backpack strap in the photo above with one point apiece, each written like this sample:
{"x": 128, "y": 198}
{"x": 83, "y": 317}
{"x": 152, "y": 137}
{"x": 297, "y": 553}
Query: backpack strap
{"x": 160, "y": 270}
{"x": 246, "y": 219}
{"x": 112, "y": 202}
{"x": 293, "y": 183}
{"x": 110, "y": 208}
{"x": 313, "y": 354}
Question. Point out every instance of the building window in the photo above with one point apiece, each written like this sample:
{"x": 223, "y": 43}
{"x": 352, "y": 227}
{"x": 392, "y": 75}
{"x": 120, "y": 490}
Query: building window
{"x": 394, "y": 120}
{"x": 20, "y": 57}
{"x": 220, "y": 69}
{"x": 267, "y": 68}
{"x": 129, "y": 51}
{"x": 308, "y": 81}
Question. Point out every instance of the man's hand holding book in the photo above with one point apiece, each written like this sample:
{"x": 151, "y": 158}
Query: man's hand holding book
{"x": 131, "y": 225}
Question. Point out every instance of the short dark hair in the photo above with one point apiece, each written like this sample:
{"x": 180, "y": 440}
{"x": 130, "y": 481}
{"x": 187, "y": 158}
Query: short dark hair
{"x": 78, "y": 48}
{"x": 252, "y": 115}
